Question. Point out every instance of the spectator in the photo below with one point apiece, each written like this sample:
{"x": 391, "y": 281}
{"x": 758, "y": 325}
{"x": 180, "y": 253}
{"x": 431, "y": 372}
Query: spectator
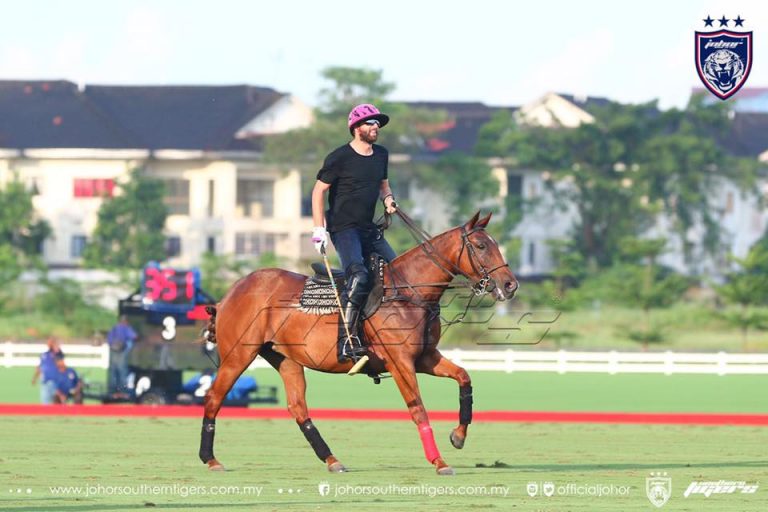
{"x": 68, "y": 384}
{"x": 120, "y": 339}
{"x": 47, "y": 370}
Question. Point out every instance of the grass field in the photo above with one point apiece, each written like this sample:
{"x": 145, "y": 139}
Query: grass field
{"x": 501, "y": 391}
{"x": 152, "y": 462}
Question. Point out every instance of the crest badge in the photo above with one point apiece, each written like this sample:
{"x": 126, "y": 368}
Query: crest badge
{"x": 723, "y": 57}
{"x": 658, "y": 488}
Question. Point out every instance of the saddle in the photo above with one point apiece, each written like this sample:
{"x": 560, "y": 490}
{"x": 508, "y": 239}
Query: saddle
{"x": 317, "y": 296}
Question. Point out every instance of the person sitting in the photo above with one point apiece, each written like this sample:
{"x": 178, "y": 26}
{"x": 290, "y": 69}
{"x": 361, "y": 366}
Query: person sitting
{"x": 355, "y": 176}
{"x": 68, "y": 384}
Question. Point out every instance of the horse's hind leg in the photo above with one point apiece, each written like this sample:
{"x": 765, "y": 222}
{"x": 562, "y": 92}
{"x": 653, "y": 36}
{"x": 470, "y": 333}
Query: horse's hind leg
{"x": 292, "y": 374}
{"x": 231, "y": 367}
{"x": 434, "y": 363}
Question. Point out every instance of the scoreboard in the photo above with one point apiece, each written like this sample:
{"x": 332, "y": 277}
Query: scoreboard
{"x": 168, "y": 314}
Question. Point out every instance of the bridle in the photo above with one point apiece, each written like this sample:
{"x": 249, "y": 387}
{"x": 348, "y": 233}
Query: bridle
{"x": 479, "y": 287}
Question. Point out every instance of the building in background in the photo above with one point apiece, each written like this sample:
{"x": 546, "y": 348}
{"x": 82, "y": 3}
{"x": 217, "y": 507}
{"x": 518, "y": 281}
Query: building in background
{"x": 72, "y": 145}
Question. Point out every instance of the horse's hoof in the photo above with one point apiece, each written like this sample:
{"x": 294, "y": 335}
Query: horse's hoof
{"x": 446, "y": 471}
{"x": 456, "y": 441}
{"x": 337, "y": 467}
{"x": 215, "y": 465}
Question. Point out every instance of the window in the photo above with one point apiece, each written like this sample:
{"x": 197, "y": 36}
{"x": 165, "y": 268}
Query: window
{"x": 77, "y": 246}
{"x": 254, "y": 243}
{"x": 88, "y": 187}
{"x": 211, "y": 245}
{"x": 514, "y": 185}
{"x": 306, "y": 206}
{"x": 532, "y": 253}
{"x": 255, "y": 198}
{"x": 172, "y": 246}
{"x": 177, "y": 196}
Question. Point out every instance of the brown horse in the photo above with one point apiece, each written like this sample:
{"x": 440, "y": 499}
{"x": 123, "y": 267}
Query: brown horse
{"x": 258, "y": 316}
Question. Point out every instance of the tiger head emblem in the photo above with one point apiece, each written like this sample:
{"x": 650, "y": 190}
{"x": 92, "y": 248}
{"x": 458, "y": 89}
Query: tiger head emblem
{"x": 723, "y": 69}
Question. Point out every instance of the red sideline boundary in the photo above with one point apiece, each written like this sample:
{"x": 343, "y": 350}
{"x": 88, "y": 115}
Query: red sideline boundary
{"x": 182, "y": 411}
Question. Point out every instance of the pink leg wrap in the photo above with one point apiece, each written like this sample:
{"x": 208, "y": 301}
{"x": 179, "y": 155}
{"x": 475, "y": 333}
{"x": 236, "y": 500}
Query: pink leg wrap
{"x": 428, "y": 442}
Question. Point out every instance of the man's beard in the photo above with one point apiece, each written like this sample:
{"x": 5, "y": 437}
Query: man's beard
{"x": 369, "y": 137}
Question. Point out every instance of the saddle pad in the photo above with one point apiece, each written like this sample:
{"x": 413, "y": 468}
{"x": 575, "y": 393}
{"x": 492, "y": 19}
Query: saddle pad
{"x": 318, "y": 299}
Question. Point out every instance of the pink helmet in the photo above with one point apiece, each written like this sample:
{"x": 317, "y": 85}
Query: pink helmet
{"x": 364, "y": 112}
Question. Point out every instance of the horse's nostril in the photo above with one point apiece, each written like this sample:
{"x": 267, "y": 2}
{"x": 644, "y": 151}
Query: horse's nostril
{"x": 510, "y": 286}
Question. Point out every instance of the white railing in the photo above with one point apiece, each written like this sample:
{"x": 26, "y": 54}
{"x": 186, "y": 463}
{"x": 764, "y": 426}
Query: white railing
{"x": 78, "y": 356}
{"x": 613, "y": 362}
{"x": 720, "y": 363}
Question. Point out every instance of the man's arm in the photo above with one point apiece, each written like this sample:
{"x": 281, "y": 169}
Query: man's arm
{"x": 385, "y": 193}
{"x": 318, "y": 203}
{"x": 319, "y": 237}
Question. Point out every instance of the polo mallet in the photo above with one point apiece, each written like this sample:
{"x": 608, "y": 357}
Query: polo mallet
{"x": 363, "y": 360}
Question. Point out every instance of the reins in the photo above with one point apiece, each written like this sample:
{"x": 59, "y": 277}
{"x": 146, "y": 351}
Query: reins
{"x": 424, "y": 241}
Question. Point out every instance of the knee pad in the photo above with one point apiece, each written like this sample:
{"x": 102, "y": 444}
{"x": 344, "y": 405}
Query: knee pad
{"x": 357, "y": 284}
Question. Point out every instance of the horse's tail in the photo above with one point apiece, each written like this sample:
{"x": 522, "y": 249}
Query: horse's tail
{"x": 211, "y": 328}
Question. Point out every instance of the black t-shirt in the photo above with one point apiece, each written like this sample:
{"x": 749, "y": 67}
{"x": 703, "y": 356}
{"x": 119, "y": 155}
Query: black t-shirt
{"x": 355, "y": 186}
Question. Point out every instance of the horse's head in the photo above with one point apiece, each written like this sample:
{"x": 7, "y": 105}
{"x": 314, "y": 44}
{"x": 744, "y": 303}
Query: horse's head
{"x": 481, "y": 261}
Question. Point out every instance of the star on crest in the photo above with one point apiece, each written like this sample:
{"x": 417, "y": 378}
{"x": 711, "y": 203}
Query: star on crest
{"x": 708, "y": 21}
{"x": 723, "y": 21}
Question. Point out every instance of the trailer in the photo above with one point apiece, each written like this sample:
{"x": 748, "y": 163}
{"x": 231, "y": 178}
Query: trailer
{"x": 168, "y": 313}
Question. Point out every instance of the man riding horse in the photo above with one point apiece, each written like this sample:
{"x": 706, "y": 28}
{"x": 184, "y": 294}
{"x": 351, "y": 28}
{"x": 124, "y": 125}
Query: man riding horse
{"x": 356, "y": 174}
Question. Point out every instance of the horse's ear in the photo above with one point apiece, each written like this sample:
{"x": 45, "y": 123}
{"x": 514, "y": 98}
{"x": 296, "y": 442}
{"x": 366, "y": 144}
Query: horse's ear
{"x": 482, "y": 223}
{"x": 471, "y": 223}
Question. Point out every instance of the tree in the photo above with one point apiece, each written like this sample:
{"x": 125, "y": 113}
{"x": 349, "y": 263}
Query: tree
{"x": 631, "y": 163}
{"x": 21, "y": 232}
{"x": 747, "y": 289}
{"x": 638, "y": 281}
{"x": 130, "y": 226}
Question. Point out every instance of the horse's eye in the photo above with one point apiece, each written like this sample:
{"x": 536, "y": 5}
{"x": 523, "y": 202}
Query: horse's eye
{"x": 481, "y": 245}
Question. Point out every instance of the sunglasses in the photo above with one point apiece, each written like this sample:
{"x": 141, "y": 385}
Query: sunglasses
{"x": 373, "y": 122}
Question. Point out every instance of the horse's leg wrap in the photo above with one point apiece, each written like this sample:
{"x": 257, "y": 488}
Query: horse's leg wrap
{"x": 465, "y": 405}
{"x": 428, "y": 442}
{"x": 315, "y": 440}
{"x": 206, "y": 440}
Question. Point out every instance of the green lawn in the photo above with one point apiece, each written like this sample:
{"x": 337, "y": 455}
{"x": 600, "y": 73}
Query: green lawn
{"x": 152, "y": 463}
{"x": 503, "y": 391}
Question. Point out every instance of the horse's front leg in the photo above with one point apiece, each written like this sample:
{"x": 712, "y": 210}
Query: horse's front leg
{"x": 404, "y": 375}
{"x": 434, "y": 363}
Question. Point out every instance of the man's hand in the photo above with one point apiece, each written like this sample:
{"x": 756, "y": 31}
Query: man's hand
{"x": 319, "y": 238}
{"x": 389, "y": 204}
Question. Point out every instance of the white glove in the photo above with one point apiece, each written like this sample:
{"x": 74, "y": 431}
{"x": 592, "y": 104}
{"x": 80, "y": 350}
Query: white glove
{"x": 319, "y": 238}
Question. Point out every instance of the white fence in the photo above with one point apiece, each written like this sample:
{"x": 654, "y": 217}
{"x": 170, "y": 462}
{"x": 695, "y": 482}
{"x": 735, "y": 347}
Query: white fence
{"x": 79, "y": 356}
{"x": 720, "y": 363}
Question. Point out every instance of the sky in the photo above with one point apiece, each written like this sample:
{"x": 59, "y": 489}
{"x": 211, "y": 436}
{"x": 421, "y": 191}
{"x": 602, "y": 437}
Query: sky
{"x": 492, "y": 51}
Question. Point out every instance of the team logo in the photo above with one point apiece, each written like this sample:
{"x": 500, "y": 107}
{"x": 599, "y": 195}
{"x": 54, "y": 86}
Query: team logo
{"x": 658, "y": 487}
{"x": 532, "y": 488}
{"x": 548, "y": 489}
{"x": 723, "y": 57}
{"x": 324, "y": 488}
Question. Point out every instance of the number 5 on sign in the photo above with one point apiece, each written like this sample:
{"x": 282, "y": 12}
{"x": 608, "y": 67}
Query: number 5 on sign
{"x": 169, "y": 328}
